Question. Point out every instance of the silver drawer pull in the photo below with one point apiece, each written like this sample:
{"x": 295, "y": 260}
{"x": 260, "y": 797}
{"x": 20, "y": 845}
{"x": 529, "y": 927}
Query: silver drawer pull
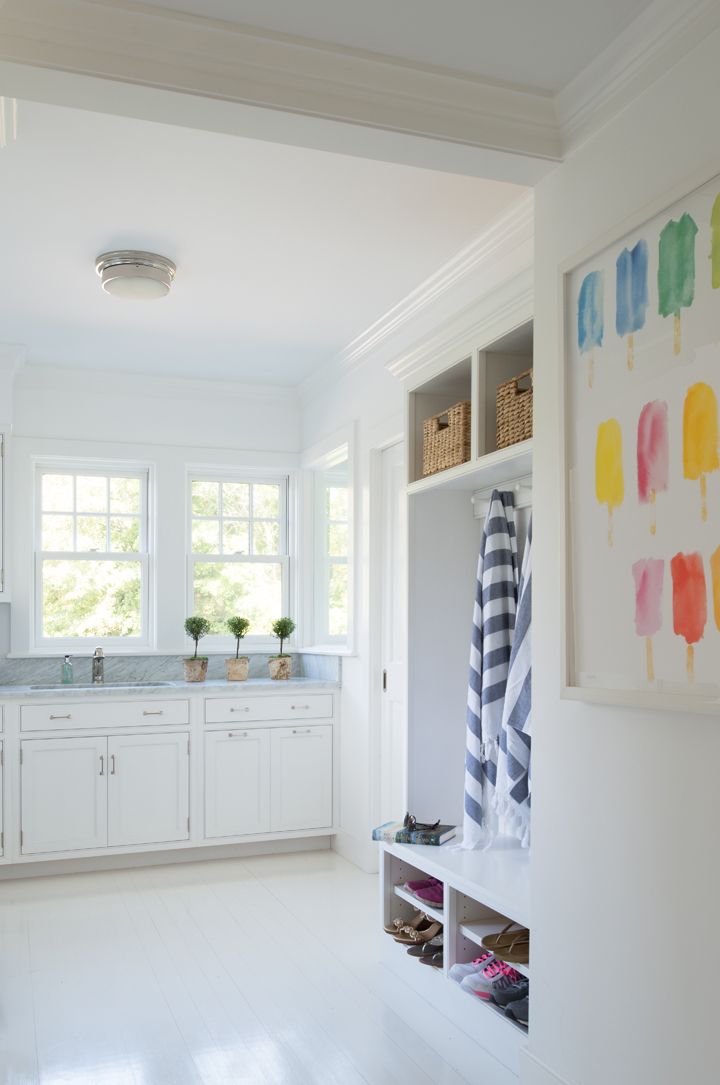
{"x": 112, "y": 764}
{"x": 68, "y": 717}
{"x": 308, "y": 731}
{"x": 246, "y": 709}
{"x": 102, "y": 765}
{"x": 300, "y": 707}
{"x": 237, "y": 734}
{"x": 159, "y": 712}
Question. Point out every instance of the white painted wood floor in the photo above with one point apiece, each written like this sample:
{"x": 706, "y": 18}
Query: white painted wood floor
{"x": 259, "y": 971}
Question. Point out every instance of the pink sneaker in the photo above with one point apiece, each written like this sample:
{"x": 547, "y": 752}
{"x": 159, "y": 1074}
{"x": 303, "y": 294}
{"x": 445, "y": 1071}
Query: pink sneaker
{"x": 458, "y": 972}
{"x": 482, "y": 983}
{"x": 432, "y": 894}
{"x": 414, "y": 886}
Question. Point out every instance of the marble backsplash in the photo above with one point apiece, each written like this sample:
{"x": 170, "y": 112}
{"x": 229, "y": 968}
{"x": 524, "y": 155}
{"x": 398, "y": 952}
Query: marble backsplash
{"x": 155, "y": 668}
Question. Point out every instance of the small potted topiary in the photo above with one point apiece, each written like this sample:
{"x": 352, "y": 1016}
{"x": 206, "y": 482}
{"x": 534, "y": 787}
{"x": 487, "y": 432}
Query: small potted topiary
{"x": 196, "y": 667}
{"x": 237, "y": 668}
{"x": 281, "y": 665}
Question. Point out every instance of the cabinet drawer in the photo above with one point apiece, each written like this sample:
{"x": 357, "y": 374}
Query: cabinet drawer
{"x": 85, "y": 714}
{"x": 239, "y": 710}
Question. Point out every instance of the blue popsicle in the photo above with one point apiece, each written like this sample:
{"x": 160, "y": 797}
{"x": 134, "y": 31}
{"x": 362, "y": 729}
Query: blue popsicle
{"x": 631, "y": 294}
{"x": 591, "y": 324}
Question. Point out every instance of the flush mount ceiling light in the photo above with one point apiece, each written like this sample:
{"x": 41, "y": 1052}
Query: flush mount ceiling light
{"x": 129, "y": 273}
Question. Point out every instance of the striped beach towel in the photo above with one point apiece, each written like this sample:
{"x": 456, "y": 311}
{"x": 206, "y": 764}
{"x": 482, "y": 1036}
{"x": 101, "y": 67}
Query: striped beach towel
{"x": 512, "y": 792}
{"x": 492, "y": 632}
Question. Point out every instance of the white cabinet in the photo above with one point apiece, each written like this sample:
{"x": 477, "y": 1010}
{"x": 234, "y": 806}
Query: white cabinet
{"x": 2, "y": 795}
{"x": 301, "y": 777}
{"x": 147, "y": 789}
{"x": 82, "y": 793}
{"x": 237, "y": 782}
{"x": 63, "y": 794}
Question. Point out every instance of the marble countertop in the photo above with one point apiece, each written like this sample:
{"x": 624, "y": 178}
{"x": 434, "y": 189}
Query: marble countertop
{"x": 210, "y": 687}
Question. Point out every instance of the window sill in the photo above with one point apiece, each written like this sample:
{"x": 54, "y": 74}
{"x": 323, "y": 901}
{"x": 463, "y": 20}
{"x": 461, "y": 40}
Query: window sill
{"x": 328, "y": 650}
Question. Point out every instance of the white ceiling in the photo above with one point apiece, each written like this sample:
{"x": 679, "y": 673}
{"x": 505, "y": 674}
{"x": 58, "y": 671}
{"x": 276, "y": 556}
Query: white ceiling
{"x": 284, "y": 254}
{"x": 537, "y": 43}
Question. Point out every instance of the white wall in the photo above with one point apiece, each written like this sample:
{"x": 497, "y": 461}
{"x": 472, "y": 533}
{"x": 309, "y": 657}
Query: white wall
{"x": 626, "y": 806}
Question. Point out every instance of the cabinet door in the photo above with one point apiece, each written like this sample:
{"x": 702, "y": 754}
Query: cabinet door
{"x": 301, "y": 775}
{"x": 63, "y": 794}
{"x": 2, "y": 793}
{"x": 148, "y": 777}
{"x": 237, "y": 783}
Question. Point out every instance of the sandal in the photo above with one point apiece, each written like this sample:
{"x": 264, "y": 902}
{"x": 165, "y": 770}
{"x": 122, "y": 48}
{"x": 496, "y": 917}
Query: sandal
{"x": 505, "y": 937}
{"x": 518, "y": 952}
{"x": 435, "y": 960}
{"x": 400, "y": 923}
{"x": 427, "y": 948}
{"x": 417, "y": 937}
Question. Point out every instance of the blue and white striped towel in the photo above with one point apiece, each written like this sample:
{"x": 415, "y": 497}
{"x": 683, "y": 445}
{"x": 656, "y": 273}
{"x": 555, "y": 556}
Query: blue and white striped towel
{"x": 492, "y": 632}
{"x": 512, "y": 793}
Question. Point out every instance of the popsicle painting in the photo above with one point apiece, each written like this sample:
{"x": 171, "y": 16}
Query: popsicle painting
{"x": 676, "y": 271}
{"x": 689, "y": 603}
{"x": 700, "y": 438}
{"x": 631, "y": 294}
{"x": 590, "y": 318}
{"x": 609, "y": 479}
{"x": 653, "y": 458}
{"x": 641, "y": 459}
{"x": 649, "y": 576}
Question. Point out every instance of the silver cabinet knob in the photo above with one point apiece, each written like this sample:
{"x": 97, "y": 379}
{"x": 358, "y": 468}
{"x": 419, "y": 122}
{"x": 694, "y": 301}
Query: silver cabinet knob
{"x": 245, "y": 709}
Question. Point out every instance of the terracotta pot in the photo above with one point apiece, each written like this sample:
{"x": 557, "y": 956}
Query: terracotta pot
{"x": 280, "y": 667}
{"x": 237, "y": 669}
{"x": 195, "y": 670}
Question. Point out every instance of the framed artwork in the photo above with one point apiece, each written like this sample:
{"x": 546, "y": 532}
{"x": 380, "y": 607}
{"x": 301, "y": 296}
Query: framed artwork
{"x": 642, "y": 463}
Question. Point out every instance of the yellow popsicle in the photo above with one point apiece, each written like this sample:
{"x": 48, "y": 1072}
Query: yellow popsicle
{"x": 609, "y": 480}
{"x": 700, "y": 437}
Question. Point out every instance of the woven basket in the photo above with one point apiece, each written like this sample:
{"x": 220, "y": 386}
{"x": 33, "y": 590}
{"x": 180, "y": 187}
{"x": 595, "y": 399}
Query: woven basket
{"x": 446, "y": 439}
{"x": 514, "y": 406}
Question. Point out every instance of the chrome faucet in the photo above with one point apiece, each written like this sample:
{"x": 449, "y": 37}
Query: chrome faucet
{"x": 98, "y": 667}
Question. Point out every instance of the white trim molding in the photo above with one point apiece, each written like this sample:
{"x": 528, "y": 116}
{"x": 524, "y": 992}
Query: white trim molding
{"x": 137, "y": 44}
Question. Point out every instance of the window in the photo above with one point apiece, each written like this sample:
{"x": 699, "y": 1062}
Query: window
{"x": 332, "y": 550}
{"x": 91, "y": 566}
{"x": 239, "y": 552}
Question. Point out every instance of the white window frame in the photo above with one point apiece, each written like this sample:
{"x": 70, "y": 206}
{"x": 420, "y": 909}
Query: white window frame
{"x": 113, "y": 469}
{"x": 318, "y": 464}
{"x": 221, "y": 643}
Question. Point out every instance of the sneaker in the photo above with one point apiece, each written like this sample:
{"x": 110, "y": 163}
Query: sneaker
{"x": 458, "y": 972}
{"x": 505, "y": 993}
{"x": 518, "y": 1011}
{"x": 482, "y": 983}
{"x": 432, "y": 894}
{"x": 423, "y": 884}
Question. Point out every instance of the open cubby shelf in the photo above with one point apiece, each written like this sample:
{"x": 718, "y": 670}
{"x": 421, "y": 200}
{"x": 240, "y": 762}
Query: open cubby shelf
{"x": 483, "y": 891}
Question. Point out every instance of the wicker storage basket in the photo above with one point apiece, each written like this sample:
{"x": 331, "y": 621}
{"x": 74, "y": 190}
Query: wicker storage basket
{"x": 514, "y": 404}
{"x": 446, "y": 439}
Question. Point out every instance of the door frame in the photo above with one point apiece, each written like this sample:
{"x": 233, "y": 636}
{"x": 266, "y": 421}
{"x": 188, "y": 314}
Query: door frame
{"x": 390, "y": 433}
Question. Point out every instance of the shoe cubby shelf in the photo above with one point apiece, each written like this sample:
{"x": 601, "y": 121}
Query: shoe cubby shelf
{"x": 483, "y": 891}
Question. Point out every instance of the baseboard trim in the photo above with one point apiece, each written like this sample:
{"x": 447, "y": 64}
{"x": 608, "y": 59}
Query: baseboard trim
{"x": 362, "y": 853}
{"x": 534, "y": 1072}
{"x": 51, "y": 867}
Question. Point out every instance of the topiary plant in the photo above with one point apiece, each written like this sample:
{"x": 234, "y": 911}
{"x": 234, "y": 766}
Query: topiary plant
{"x": 197, "y": 628}
{"x": 238, "y": 627}
{"x": 282, "y": 629}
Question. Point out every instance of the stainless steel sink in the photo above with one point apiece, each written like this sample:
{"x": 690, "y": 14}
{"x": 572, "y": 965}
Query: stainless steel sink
{"x": 99, "y": 685}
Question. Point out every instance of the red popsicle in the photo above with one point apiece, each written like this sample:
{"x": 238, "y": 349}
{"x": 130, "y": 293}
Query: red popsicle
{"x": 689, "y": 602}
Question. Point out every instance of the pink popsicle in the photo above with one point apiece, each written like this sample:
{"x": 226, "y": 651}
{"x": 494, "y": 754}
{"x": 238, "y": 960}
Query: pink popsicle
{"x": 652, "y": 454}
{"x": 649, "y": 576}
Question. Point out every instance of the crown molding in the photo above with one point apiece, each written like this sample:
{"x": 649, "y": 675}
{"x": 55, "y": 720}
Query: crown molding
{"x": 502, "y": 237}
{"x": 133, "y": 43}
{"x": 498, "y": 312}
{"x": 647, "y": 48}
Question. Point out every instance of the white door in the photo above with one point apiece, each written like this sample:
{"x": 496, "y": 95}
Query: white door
{"x": 2, "y": 762}
{"x": 393, "y": 716}
{"x": 300, "y": 777}
{"x": 63, "y": 794}
{"x": 237, "y": 782}
{"x": 148, "y": 789}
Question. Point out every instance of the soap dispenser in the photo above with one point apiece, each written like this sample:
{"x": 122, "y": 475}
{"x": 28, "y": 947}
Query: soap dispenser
{"x": 67, "y": 671}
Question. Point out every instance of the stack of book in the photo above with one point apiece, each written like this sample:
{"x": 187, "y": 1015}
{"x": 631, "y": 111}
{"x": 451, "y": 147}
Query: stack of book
{"x": 395, "y": 832}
